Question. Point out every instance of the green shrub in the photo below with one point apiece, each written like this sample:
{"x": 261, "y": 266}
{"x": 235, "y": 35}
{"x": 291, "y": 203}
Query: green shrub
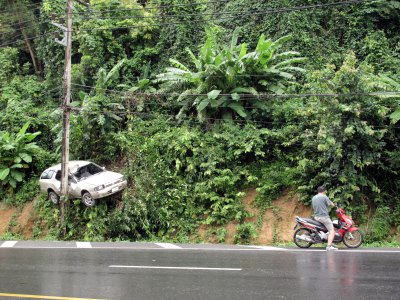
{"x": 129, "y": 220}
{"x": 27, "y": 192}
{"x": 48, "y": 219}
{"x": 380, "y": 226}
{"x": 218, "y": 233}
{"x": 44, "y": 159}
{"x": 245, "y": 233}
{"x": 273, "y": 179}
{"x": 16, "y": 152}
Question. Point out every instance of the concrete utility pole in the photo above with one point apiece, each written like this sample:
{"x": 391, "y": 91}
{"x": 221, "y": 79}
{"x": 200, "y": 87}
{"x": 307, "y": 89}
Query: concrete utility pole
{"x": 67, "y": 43}
{"x": 66, "y": 111}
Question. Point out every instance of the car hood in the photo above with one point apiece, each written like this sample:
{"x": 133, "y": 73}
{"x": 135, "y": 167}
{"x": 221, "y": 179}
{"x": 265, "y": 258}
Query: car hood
{"x": 101, "y": 178}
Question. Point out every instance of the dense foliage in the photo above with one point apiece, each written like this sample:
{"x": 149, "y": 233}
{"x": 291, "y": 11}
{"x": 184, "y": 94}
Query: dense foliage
{"x": 198, "y": 102}
{"x": 16, "y": 153}
{"x": 228, "y": 80}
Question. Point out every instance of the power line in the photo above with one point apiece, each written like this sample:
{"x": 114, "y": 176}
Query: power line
{"x": 254, "y": 12}
{"x": 169, "y": 105}
{"x": 25, "y": 7}
{"x": 208, "y": 76}
{"x": 20, "y": 23}
{"x": 152, "y": 7}
{"x": 124, "y": 113}
{"x": 34, "y": 25}
{"x": 380, "y": 93}
{"x": 216, "y": 19}
{"x": 21, "y": 40}
{"x": 11, "y": 17}
{"x": 21, "y": 28}
{"x": 194, "y": 118}
{"x": 233, "y": 15}
{"x": 340, "y": 3}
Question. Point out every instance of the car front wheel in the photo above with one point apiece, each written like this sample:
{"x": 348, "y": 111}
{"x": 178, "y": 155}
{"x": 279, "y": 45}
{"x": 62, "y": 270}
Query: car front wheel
{"x": 88, "y": 200}
{"x": 54, "y": 197}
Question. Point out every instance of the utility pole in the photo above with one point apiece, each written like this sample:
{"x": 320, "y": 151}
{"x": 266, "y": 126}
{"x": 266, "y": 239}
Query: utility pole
{"x": 67, "y": 43}
{"x": 66, "y": 112}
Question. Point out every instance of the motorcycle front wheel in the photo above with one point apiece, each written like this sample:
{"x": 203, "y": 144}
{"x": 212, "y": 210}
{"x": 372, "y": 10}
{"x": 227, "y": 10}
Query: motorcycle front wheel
{"x": 353, "y": 239}
{"x": 302, "y": 233}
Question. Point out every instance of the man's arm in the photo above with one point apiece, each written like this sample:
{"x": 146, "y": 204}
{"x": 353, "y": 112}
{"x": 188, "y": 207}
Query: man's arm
{"x": 330, "y": 203}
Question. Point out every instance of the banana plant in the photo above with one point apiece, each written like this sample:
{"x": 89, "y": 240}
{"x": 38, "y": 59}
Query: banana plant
{"x": 16, "y": 152}
{"x": 225, "y": 80}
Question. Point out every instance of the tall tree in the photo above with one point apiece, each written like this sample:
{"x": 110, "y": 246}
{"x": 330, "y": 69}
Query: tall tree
{"x": 19, "y": 22}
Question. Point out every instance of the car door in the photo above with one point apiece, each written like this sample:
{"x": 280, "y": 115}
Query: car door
{"x": 73, "y": 187}
{"x": 56, "y": 182}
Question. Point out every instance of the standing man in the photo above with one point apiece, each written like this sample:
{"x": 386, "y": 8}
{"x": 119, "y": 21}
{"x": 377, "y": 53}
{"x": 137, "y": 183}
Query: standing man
{"x": 321, "y": 204}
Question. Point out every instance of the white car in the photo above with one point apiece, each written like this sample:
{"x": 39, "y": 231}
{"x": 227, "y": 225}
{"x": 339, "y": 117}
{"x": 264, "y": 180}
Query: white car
{"x": 86, "y": 180}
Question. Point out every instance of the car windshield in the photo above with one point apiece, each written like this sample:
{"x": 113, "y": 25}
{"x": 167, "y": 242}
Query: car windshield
{"x": 87, "y": 171}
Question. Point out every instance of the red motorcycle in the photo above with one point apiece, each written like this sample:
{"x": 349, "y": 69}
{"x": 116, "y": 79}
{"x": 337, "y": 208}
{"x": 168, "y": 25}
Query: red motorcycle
{"x": 309, "y": 231}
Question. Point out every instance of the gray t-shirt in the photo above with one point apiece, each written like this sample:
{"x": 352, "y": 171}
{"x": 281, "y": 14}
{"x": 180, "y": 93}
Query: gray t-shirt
{"x": 320, "y": 204}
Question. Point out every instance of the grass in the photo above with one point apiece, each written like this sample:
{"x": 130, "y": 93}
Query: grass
{"x": 385, "y": 244}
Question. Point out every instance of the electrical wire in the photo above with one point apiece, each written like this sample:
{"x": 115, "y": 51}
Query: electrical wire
{"x": 217, "y": 19}
{"x": 194, "y": 118}
{"x": 21, "y": 40}
{"x": 25, "y": 6}
{"x": 169, "y": 105}
{"x": 254, "y": 12}
{"x": 151, "y": 7}
{"x": 20, "y": 23}
{"x": 260, "y": 12}
{"x": 322, "y": 5}
{"x": 11, "y": 17}
{"x": 259, "y": 96}
{"x": 20, "y": 29}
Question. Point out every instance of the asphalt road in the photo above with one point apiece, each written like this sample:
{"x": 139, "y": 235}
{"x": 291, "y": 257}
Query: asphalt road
{"x": 167, "y": 271}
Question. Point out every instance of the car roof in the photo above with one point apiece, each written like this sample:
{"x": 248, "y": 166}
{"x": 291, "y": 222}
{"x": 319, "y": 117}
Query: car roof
{"x": 73, "y": 165}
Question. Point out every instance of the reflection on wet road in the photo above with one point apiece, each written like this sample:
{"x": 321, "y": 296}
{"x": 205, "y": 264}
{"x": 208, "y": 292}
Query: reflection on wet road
{"x": 199, "y": 274}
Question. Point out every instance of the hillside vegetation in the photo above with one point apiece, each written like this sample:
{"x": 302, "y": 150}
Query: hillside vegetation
{"x": 199, "y": 102}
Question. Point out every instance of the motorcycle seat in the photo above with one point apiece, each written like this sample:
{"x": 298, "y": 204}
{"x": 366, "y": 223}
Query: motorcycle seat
{"x": 314, "y": 222}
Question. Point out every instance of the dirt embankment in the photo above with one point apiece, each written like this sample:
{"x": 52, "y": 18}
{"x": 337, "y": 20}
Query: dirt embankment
{"x": 277, "y": 221}
{"x": 17, "y": 220}
{"x": 276, "y": 226}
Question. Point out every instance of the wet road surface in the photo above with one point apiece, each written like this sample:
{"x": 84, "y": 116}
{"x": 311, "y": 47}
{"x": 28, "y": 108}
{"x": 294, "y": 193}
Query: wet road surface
{"x": 168, "y": 271}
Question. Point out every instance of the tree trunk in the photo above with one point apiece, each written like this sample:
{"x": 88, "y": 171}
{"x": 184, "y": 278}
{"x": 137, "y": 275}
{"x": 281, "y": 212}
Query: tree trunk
{"x": 26, "y": 39}
{"x": 28, "y": 45}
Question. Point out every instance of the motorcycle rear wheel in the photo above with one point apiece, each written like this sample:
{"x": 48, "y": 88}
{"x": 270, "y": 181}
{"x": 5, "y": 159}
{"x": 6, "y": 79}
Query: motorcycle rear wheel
{"x": 353, "y": 239}
{"x": 301, "y": 243}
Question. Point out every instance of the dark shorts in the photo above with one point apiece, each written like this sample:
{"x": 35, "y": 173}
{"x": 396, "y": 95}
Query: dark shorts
{"x": 326, "y": 221}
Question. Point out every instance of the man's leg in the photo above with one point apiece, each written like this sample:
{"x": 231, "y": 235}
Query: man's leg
{"x": 329, "y": 225}
{"x": 331, "y": 236}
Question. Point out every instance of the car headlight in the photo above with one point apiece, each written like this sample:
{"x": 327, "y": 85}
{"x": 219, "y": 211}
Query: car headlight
{"x": 99, "y": 188}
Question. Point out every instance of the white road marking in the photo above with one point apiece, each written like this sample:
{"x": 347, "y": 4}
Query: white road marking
{"x": 268, "y": 248}
{"x": 168, "y": 246}
{"x": 9, "y": 244}
{"x": 163, "y": 246}
{"x": 83, "y": 245}
{"x": 25, "y": 296}
{"x": 176, "y": 268}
